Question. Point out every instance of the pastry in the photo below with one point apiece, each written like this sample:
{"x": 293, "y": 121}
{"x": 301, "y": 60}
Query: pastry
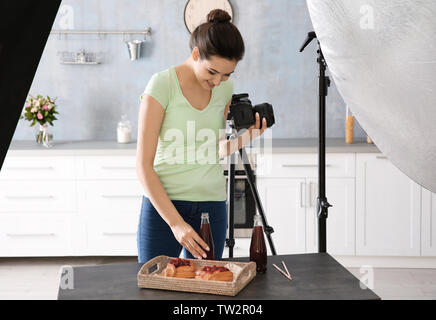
{"x": 179, "y": 268}
{"x": 214, "y": 273}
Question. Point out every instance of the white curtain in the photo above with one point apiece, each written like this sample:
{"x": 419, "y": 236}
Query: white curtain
{"x": 382, "y": 56}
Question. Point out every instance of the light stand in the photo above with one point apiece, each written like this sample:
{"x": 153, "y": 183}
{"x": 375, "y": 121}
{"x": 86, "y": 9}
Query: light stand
{"x": 230, "y": 242}
{"x": 322, "y": 204}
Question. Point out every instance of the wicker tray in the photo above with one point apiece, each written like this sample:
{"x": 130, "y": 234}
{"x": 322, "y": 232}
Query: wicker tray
{"x": 149, "y": 277}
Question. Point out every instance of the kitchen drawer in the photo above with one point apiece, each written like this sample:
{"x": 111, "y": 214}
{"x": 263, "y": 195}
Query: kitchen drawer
{"x": 109, "y": 196}
{"x": 37, "y": 196}
{"x": 107, "y": 167}
{"x": 113, "y": 234}
{"x": 35, "y": 235}
{"x": 304, "y": 165}
{"x": 37, "y": 168}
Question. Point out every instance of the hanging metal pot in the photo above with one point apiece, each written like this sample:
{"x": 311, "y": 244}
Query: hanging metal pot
{"x": 134, "y": 48}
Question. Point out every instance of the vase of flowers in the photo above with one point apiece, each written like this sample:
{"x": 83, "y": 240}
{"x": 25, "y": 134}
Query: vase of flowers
{"x": 41, "y": 110}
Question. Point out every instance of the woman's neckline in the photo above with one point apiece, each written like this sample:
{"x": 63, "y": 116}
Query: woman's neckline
{"x": 187, "y": 101}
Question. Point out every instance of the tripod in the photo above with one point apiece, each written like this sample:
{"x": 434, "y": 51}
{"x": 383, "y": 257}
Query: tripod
{"x": 322, "y": 204}
{"x": 230, "y": 242}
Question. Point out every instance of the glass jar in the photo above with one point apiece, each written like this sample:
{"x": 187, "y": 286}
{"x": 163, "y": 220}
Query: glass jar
{"x": 124, "y": 130}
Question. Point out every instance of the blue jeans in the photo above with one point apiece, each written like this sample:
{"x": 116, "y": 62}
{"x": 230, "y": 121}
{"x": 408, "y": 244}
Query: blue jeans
{"x": 155, "y": 237}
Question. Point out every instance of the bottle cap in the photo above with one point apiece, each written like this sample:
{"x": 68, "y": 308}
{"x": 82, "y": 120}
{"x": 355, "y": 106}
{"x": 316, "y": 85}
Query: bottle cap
{"x": 205, "y": 215}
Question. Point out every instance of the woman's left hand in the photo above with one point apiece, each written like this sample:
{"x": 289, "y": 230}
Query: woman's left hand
{"x": 256, "y": 130}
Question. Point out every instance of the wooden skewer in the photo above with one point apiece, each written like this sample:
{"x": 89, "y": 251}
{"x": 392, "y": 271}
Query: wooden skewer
{"x": 282, "y": 272}
{"x": 287, "y": 271}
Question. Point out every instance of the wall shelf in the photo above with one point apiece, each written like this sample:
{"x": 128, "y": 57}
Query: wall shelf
{"x": 80, "y": 57}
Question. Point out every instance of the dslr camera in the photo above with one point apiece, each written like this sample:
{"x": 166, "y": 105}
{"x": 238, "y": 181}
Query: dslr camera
{"x": 244, "y": 114}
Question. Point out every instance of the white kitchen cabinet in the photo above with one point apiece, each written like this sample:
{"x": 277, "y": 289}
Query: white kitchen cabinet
{"x": 111, "y": 209}
{"x": 38, "y": 204}
{"x": 283, "y": 200}
{"x": 24, "y": 234}
{"x": 90, "y": 205}
{"x": 340, "y": 194}
{"x": 110, "y": 196}
{"x": 304, "y": 165}
{"x": 289, "y": 184}
{"x": 39, "y": 195}
{"x": 106, "y": 167}
{"x": 69, "y": 205}
{"x": 428, "y": 224}
{"x": 38, "y": 168}
{"x": 388, "y": 209}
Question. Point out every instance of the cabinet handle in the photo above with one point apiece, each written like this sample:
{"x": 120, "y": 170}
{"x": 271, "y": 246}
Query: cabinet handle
{"x": 302, "y": 202}
{"x": 310, "y": 194}
{"x": 29, "y": 197}
{"x": 302, "y": 165}
{"x": 311, "y": 197}
{"x": 116, "y": 167}
{"x": 50, "y": 234}
{"x": 119, "y": 233}
{"x": 29, "y": 168}
{"x": 381, "y": 157}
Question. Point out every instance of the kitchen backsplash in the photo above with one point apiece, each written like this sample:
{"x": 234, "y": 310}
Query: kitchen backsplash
{"x": 92, "y": 98}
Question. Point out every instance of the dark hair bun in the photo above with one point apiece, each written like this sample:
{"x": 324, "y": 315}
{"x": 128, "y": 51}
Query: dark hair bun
{"x": 218, "y": 15}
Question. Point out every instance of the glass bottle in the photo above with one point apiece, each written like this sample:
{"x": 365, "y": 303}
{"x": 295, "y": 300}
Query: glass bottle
{"x": 257, "y": 246}
{"x": 206, "y": 235}
{"x": 124, "y": 130}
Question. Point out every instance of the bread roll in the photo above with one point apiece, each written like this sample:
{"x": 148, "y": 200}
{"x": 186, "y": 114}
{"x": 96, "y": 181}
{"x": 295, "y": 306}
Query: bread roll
{"x": 179, "y": 268}
{"x": 214, "y": 273}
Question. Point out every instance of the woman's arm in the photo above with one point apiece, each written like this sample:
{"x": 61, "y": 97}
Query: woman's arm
{"x": 228, "y": 147}
{"x": 151, "y": 115}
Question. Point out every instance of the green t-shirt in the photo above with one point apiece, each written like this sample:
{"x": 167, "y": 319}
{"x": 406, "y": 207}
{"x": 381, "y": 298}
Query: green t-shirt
{"x": 187, "y": 160}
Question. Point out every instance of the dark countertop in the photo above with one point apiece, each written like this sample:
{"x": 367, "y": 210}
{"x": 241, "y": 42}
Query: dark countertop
{"x": 315, "y": 276}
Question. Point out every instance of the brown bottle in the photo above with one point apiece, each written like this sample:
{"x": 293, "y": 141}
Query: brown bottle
{"x": 206, "y": 235}
{"x": 257, "y": 246}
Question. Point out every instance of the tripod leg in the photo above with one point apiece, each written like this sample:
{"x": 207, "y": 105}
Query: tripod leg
{"x": 230, "y": 242}
{"x": 250, "y": 176}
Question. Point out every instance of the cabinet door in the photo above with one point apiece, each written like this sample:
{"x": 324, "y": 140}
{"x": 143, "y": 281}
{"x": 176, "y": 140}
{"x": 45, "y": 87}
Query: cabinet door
{"x": 111, "y": 209}
{"x": 283, "y": 201}
{"x": 388, "y": 209}
{"x": 428, "y": 225}
{"x": 340, "y": 194}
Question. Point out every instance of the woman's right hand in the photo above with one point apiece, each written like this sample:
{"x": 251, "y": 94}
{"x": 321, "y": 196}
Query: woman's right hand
{"x": 190, "y": 239}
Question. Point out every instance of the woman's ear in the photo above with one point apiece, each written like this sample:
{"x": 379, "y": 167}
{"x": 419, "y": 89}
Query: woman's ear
{"x": 195, "y": 53}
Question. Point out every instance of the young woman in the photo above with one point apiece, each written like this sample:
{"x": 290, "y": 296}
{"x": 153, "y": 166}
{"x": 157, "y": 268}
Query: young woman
{"x": 180, "y": 108}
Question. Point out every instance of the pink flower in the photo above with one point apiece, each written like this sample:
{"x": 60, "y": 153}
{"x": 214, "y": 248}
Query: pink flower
{"x": 45, "y": 107}
{"x": 39, "y": 116}
{"x": 36, "y": 103}
{"x": 33, "y": 110}
{"x": 27, "y": 106}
